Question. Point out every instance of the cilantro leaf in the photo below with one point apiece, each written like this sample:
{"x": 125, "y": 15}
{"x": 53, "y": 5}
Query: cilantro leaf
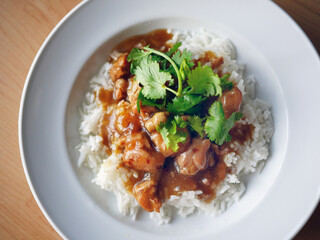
{"x": 174, "y": 49}
{"x": 171, "y": 135}
{"x": 157, "y": 58}
{"x": 174, "y": 65}
{"x": 180, "y": 122}
{"x": 178, "y": 58}
{"x": 225, "y": 84}
{"x": 164, "y": 62}
{"x": 149, "y": 75}
{"x": 196, "y": 124}
{"x": 136, "y": 55}
{"x": 204, "y": 81}
{"x": 143, "y": 101}
{"x": 217, "y": 126}
{"x": 184, "y": 69}
{"x": 185, "y": 104}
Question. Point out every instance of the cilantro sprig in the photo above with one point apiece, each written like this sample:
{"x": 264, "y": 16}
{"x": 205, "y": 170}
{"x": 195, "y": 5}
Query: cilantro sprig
{"x": 149, "y": 75}
{"x": 204, "y": 81}
{"x": 186, "y": 104}
{"x": 217, "y": 127}
{"x": 174, "y": 65}
{"x": 171, "y": 82}
{"x": 142, "y": 100}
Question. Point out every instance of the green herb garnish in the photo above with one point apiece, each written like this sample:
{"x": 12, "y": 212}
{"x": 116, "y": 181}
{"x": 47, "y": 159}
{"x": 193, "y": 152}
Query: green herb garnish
{"x": 142, "y": 100}
{"x": 171, "y": 83}
{"x": 225, "y": 84}
{"x": 153, "y": 80}
{"x": 204, "y": 81}
{"x": 185, "y": 104}
{"x": 171, "y": 135}
{"x": 217, "y": 127}
{"x": 196, "y": 124}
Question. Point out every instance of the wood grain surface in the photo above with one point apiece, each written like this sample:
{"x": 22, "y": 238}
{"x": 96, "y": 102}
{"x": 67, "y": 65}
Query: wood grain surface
{"x": 24, "y": 25}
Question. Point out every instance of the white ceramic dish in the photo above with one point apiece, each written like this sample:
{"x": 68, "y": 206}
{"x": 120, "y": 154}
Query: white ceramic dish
{"x": 277, "y": 202}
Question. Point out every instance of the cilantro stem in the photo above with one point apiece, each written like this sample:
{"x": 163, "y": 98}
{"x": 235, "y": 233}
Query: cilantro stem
{"x": 171, "y": 90}
{"x": 178, "y": 93}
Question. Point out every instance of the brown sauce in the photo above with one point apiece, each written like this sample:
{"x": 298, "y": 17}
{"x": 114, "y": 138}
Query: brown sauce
{"x": 105, "y": 97}
{"x": 174, "y": 183}
{"x": 107, "y": 130}
{"x": 241, "y": 133}
{"x": 133, "y": 179}
{"x": 208, "y": 56}
{"x": 216, "y": 62}
{"x": 156, "y": 39}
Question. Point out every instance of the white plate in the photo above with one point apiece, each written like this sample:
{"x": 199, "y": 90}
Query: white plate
{"x": 277, "y": 202}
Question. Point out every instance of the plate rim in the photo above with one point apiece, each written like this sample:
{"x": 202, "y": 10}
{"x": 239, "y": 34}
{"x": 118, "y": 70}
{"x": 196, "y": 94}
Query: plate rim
{"x": 305, "y": 218}
{"x": 21, "y": 109}
{"x": 290, "y": 234}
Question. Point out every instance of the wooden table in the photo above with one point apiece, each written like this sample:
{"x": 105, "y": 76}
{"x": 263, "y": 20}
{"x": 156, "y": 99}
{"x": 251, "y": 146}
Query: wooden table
{"x": 24, "y": 25}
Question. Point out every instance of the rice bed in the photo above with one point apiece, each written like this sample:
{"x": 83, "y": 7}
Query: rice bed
{"x": 249, "y": 158}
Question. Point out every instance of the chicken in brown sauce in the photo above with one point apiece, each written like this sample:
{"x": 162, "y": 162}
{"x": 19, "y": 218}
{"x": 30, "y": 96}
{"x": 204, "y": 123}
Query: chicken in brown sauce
{"x": 139, "y": 153}
{"x": 146, "y": 192}
{"x": 231, "y": 101}
{"x": 196, "y": 165}
{"x": 121, "y": 68}
{"x": 198, "y": 156}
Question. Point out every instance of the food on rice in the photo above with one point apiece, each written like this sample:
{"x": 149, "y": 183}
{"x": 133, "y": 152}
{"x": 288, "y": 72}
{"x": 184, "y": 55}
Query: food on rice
{"x": 170, "y": 121}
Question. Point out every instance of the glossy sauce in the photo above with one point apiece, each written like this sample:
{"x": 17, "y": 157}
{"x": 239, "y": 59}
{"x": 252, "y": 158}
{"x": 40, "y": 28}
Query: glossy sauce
{"x": 208, "y": 56}
{"x": 174, "y": 183}
{"x": 241, "y": 133}
{"x": 156, "y": 39}
{"x": 106, "y": 126}
{"x": 215, "y": 61}
{"x": 105, "y": 97}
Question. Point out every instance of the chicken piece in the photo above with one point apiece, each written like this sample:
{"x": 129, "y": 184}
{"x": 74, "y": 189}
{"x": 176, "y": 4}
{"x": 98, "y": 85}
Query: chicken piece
{"x": 145, "y": 192}
{"x": 152, "y": 123}
{"x": 231, "y": 101}
{"x": 120, "y": 87}
{"x": 147, "y": 111}
{"x": 133, "y": 94}
{"x": 222, "y": 150}
{"x": 197, "y": 157}
{"x": 140, "y": 155}
{"x": 120, "y": 68}
{"x": 126, "y": 121}
{"x": 159, "y": 143}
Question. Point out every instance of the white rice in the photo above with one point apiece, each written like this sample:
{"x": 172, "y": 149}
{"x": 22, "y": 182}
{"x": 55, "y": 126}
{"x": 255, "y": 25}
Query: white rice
{"x": 249, "y": 158}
